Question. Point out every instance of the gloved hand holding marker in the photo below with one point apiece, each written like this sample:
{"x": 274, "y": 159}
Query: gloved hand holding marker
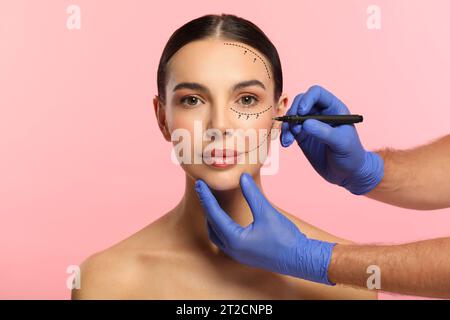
{"x": 336, "y": 153}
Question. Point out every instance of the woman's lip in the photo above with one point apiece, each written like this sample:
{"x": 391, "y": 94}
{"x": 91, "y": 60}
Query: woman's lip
{"x": 223, "y": 162}
{"x": 222, "y": 158}
{"x": 225, "y": 153}
{"x": 221, "y": 153}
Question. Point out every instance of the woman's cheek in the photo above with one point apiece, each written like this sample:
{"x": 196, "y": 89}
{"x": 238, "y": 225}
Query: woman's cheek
{"x": 254, "y": 126}
{"x": 181, "y": 119}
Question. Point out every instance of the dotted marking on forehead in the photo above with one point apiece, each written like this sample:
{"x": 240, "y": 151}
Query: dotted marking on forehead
{"x": 248, "y": 115}
{"x": 248, "y": 49}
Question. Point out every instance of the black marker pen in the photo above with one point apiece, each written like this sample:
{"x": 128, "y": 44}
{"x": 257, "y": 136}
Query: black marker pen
{"x": 331, "y": 119}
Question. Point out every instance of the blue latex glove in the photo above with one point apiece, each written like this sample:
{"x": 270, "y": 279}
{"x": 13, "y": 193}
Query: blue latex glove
{"x": 335, "y": 153}
{"x": 271, "y": 241}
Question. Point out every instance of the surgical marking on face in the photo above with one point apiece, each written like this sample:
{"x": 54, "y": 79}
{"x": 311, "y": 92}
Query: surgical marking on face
{"x": 248, "y": 115}
{"x": 248, "y": 49}
{"x": 264, "y": 139}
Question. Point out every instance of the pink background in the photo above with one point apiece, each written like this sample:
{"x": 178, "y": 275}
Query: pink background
{"x": 83, "y": 164}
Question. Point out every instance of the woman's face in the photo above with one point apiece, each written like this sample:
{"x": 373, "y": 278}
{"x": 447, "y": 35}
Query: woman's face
{"x": 220, "y": 100}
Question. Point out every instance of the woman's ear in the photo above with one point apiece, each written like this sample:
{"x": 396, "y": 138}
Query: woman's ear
{"x": 280, "y": 110}
{"x": 160, "y": 112}
{"x": 282, "y": 105}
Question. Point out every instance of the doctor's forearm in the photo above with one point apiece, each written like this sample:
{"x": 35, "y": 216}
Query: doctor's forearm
{"x": 419, "y": 268}
{"x": 416, "y": 179}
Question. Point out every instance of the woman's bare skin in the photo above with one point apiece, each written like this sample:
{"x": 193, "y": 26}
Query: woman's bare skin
{"x": 173, "y": 258}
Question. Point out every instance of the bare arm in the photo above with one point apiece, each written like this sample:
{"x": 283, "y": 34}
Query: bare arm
{"x": 419, "y": 268}
{"x": 418, "y": 178}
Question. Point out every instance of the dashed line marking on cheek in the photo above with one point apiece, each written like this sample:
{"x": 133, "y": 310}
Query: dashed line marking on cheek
{"x": 264, "y": 139}
{"x": 248, "y": 115}
{"x": 250, "y": 50}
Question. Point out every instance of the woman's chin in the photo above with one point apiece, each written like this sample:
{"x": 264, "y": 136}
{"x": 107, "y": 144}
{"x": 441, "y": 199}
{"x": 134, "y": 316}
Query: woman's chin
{"x": 222, "y": 179}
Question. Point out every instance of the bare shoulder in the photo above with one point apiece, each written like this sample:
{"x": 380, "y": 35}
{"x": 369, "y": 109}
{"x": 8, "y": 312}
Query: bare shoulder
{"x": 102, "y": 276}
{"x": 312, "y": 231}
{"x": 118, "y": 271}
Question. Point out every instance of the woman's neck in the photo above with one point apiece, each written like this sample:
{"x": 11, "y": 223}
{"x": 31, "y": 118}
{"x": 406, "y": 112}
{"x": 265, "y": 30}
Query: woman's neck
{"x": 191, "y": 218}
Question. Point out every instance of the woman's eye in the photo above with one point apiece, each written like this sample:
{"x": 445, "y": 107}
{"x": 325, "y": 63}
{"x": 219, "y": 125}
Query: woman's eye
{"x": 191, "y": 100}
{"x": 247, "y": 101}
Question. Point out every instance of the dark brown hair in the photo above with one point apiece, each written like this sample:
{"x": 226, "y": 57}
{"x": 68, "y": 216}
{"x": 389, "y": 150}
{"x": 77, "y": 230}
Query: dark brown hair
{"x": 227, "y": 26}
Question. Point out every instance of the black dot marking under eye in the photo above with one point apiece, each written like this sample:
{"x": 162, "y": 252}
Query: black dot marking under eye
{"x": 248, "y": 115}
{"x": 247, "y": 49}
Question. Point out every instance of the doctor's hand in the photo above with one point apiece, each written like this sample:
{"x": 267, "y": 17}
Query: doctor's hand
{"x": 271, "y": 241}
{"x": 335, "y": 153}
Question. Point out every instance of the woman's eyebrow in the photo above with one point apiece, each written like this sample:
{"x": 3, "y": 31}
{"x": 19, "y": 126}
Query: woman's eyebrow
{"x": 191, "y": 85}
{"x": 248, "y": 83}
{"x": 200, "y": 87}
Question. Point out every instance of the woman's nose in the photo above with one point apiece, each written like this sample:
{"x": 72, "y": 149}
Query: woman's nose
{"x": 219, "y": 119}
